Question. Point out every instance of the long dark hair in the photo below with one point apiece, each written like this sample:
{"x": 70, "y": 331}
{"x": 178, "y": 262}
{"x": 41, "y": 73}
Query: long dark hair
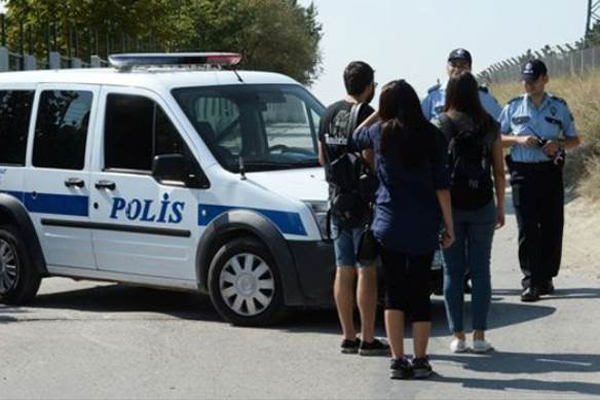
{"x": 405, "y": 130}
{"x": 462, "y": 95}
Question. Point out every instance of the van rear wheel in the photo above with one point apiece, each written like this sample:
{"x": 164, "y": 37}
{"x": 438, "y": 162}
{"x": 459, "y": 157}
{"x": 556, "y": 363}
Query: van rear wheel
{"x": 244, "y": 284}
{"x": 19, "y": 281}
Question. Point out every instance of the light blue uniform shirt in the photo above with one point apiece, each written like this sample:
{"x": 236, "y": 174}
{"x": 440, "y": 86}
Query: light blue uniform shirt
{"x": 552, "y": 120}
{"x": 433, "y": 104}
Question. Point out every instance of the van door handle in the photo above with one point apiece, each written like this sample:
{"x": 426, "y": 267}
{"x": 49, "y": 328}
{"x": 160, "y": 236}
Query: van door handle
{"x": 74, "y": 182}
{"x": 110, "y": 185}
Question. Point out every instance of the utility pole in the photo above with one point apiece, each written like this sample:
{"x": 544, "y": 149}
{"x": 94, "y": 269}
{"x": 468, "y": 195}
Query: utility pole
{"x": 593, "y": 16}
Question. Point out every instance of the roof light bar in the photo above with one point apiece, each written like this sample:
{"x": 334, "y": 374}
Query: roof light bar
{"x": 125, "y": 62}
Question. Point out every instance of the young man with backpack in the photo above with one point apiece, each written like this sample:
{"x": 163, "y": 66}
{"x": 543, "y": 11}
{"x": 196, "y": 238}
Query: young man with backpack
{"x": 350, "y": 210}
{"x": 475, "y": 155}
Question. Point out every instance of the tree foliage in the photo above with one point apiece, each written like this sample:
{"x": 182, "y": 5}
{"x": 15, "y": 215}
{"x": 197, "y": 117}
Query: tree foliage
{"x": 272, "y": 35}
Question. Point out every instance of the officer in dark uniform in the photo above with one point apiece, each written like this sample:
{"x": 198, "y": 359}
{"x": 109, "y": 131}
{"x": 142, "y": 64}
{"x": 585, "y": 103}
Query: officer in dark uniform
{"x": 538, "y": 128}
{"x": 458, "y": 60}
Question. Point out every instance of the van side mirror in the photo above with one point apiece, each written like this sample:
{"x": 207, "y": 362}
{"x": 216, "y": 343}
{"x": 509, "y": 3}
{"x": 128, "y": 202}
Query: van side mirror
{"x": 177, "y": 169}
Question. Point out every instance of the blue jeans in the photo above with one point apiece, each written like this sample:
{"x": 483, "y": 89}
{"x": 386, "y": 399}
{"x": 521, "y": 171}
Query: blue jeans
{"x": 345, "y": 245}
{"x": 474, "y": 231}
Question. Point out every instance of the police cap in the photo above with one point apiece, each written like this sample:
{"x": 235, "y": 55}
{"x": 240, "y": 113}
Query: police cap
{"x": 533, "y": 69}
{"x": 460, "y": 55}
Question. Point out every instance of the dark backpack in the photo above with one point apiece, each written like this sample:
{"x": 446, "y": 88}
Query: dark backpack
{"x": 352, "y": 182}
{"x": 470, "y": 167}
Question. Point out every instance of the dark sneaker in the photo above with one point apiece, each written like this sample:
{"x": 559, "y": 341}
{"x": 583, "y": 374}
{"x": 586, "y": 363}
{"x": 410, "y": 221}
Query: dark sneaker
{"x": 400, "y": 368}
{"x": 350, "y": 346}
{"x": 548, "y": 288}
{"x": 421, "y": 368}
{"x": 374, "y": 348}
{"x": 530, "y": 294}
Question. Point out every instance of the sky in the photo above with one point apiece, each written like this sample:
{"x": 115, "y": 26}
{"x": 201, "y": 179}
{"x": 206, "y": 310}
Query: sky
{"x": 411, "y": 39}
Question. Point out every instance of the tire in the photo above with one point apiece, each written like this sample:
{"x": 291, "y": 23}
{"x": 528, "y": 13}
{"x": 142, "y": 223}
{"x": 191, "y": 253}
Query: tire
{"x": 19, "y": 280}
{"x": 245, "y": 285}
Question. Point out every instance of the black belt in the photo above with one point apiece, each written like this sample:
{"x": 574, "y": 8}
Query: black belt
{"x": 545, "y": 166}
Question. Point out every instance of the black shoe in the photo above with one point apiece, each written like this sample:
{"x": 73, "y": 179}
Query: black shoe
{"x": 350, "y": 346}
{"x": 374, "y": 348}
{"x": 548, "y": 288}
{"x": 401, "y": 369}
{"x": 468, "y": 288}
{"x": 530, "y": 294}
{"x": 421, "y": 368}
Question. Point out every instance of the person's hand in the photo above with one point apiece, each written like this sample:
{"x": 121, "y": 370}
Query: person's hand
{"x": 551, "y": 147}
{"x": 527, "y": 140}
{"x": 500, "y": 217}
{"x": 447, "y": 239}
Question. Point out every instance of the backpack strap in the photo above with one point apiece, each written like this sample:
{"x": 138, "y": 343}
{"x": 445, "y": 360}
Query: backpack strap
{"x": 354, "y": 114}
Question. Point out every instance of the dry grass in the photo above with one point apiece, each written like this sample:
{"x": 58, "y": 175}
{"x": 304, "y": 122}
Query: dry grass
{"x": 583, "y": 97}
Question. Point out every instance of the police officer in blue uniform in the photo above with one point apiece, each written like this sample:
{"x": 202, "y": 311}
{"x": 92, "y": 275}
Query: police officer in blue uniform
{"x": 433, "y": 103}
{"x": 538, "y": 127}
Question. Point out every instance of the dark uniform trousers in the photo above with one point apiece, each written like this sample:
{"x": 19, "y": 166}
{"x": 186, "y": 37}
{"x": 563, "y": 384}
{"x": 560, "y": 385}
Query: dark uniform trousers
{"x": 538, "y": 197}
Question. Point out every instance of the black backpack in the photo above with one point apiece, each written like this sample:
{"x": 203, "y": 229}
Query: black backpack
{"x": 349, "y": 175}
{"x": 470, "y": 167}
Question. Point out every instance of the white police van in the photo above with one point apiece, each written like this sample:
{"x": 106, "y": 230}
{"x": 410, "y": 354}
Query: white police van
{"x": 165, "y": 171}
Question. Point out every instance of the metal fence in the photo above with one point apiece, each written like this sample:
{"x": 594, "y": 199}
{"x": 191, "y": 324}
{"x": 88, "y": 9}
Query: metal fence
{"x": 573, "y": 62}
{"x": 44, "y": 48}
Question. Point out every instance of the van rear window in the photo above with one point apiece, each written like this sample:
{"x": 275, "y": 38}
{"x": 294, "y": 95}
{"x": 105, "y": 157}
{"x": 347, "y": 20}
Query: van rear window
{"x": 15, "y": 114}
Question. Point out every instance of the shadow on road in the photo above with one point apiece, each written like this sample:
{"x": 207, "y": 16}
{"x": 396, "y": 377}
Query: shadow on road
{"x": 190, "y": 306}
{"x": 126, "y": 299}
{"x": 530, "y": 364}
{"x": 559, "y": 294}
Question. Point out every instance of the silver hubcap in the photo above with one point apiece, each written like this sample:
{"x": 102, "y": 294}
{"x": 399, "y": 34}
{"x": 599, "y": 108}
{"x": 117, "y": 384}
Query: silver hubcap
{"x": 8, "y": 267}
{"x": 247, "y": 284}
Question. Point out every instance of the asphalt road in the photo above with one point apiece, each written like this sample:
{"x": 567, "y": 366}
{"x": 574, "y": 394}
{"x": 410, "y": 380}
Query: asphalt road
{"x": 97, "y": 340}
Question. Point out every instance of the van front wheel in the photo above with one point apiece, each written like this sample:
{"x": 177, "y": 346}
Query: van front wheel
{"x": 19, "y": 281}
{"x": 244, "y": 283}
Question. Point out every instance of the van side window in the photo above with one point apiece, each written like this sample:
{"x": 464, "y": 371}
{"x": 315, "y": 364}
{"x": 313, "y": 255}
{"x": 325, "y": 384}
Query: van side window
{"x": 137, "y": 129}
{"x": 61, "y": 129}
{"x": 15, "y": 114}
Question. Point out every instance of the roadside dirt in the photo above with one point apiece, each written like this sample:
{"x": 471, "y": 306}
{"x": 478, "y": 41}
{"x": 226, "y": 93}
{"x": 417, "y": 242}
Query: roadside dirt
{"x": 581, "y": 249}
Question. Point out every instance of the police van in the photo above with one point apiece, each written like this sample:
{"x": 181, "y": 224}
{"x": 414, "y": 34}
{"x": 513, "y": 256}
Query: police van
{"x": 170, "y": 171}
{"x": 166, "y": 171}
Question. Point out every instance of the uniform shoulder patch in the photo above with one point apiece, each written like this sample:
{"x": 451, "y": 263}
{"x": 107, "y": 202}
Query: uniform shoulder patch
{"x": 434, "y": 88}
{"x": 518, "y": 98}
{"x": 484, "y": 89}
{"x": 559, "y": 99}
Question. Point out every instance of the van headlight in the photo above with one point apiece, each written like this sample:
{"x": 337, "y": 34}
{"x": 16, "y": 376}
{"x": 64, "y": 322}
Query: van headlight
{"x": 319, "y": 210}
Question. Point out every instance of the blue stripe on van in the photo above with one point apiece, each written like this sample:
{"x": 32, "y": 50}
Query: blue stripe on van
{"x": 59, "y": 204}
{"x": 288, "y": 222}
{"x": 18, "y": 195}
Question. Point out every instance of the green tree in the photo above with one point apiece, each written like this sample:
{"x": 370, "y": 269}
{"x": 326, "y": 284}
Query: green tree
{"x": 109, "y": 20}
{"x": 272, "y": 35}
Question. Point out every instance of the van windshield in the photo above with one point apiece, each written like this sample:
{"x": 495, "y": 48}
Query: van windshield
{"x": 263, "y": 127}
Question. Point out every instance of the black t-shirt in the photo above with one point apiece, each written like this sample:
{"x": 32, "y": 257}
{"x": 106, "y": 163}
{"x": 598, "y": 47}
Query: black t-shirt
{"x": 332, "y": 145}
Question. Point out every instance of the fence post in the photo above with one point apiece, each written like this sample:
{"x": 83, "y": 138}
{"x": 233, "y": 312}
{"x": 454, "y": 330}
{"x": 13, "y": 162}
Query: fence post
{"x": 29, "y": 62}
{"x": 54, "y": 60}
{"x": 95, "y": 62}
{"x": 22, "y": 45}
{"x": 76, "y": 62}
{"x": 4, "y": 59}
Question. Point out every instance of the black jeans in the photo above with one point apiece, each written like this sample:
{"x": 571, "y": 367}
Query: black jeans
{"x": 407, "y": 283}
{"x": 538, "y": 197}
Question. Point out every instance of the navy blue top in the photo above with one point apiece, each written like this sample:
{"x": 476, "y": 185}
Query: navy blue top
{"x": 407, "y": 214}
